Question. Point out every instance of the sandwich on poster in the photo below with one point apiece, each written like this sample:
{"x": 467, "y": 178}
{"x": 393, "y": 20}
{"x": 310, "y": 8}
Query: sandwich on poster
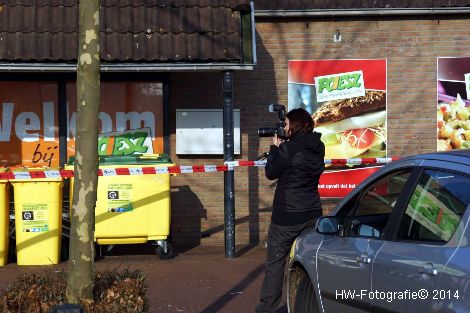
{"x": 350, "y": 118}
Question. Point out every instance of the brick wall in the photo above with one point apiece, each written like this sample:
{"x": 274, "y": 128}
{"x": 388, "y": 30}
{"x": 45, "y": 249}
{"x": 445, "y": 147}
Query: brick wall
{"x": 410, "y": 46}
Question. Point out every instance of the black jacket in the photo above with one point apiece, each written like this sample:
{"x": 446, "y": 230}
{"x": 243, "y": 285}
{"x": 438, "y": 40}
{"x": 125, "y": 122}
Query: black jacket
{"x": 297, "y": 164}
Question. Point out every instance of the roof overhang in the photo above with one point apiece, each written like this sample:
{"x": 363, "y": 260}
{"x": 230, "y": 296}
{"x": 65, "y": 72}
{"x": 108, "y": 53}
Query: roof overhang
{"x": 124, "y": 67}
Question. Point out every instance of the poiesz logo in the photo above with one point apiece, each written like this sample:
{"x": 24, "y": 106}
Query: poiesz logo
{"x": 126, "y": 142}
{"x": 346, "y": 81}
{"x": 113, "y": 195}
{"x": 340, "y": 86}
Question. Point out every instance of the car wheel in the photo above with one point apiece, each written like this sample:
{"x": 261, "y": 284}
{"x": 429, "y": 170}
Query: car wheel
{"x": 305, "y": 298}
{"x": 169, "y": 252}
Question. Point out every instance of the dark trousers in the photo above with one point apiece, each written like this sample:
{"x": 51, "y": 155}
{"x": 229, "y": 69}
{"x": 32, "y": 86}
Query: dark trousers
{"x": 280, "y": 240}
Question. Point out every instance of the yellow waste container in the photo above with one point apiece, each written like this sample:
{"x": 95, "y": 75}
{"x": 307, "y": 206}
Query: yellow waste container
{"x": 38, "y": 220}
{"x": 135, "y": 208}
{"x": 4, "y": 219}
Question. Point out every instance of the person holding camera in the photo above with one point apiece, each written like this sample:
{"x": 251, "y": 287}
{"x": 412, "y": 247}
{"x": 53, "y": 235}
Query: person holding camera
{"x": 296, "y": 161}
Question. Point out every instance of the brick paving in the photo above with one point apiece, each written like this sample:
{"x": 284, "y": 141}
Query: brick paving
{"x": 197, "y": 280}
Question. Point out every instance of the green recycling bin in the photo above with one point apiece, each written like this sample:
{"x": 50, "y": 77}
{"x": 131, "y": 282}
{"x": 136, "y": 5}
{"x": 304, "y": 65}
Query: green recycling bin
{"x": 133, "y": 208}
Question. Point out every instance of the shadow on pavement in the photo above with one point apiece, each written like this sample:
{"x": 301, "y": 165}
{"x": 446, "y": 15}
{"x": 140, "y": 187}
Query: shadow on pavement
{"x": 244, "y": 250}
{"x": 219, "y": 304}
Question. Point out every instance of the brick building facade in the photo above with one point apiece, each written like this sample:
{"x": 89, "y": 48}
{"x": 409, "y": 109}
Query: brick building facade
{"x": 411, "y": 46}
{"x": 409, "y": 38}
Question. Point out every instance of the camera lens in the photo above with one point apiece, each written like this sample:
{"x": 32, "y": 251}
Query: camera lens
{"x": 266, "y": 131}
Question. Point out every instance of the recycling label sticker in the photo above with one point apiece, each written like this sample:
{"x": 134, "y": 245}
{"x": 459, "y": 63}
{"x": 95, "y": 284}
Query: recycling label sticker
{"x": 120, "y": 198}
{"x": 35, "y": 217}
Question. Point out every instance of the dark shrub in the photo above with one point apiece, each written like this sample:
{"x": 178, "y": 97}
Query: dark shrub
{"x": 115, "y": 291}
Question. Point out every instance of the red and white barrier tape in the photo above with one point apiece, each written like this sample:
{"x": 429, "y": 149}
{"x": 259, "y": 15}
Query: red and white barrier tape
{"x": 356, "y": 161}
{"x": 228, "y": 166}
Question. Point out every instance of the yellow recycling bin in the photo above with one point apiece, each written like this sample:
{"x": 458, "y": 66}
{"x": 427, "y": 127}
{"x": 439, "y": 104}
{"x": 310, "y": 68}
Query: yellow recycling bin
{"x": 132, "y": 209}
{"x": 4, "y": 219}
{"x": 38, "y": 220}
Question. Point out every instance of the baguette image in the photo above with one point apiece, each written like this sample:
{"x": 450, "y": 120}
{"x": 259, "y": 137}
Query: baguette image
{"x": 353, "y": 127}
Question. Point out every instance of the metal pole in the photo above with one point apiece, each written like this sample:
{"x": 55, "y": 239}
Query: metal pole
{"x": 229, "y": 189}
{"x": 62, "y": 86}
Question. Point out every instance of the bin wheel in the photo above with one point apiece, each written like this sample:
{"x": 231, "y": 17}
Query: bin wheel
{"x": 99, "y": 252}
{"x": 169, "y": 252}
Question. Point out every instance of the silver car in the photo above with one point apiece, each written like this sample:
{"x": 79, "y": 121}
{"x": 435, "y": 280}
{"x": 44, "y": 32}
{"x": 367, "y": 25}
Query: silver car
{"x": 399, "y": 242}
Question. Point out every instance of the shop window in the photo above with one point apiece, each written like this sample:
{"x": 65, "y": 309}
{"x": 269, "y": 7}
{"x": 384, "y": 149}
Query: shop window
{"x": 29, "y": 123}
{"x": 130, "y": 118}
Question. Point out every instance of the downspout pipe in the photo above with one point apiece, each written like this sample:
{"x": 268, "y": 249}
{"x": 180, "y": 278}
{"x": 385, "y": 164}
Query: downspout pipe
{"x": 374, "y": 12}
{"x": 253, "y": 32}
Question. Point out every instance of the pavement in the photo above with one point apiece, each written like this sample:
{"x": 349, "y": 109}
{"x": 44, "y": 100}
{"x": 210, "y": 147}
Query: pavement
{"x": 198, "y": 280}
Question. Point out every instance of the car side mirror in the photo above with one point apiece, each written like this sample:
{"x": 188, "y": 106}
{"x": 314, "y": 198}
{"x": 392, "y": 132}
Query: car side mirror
{"x": 328, "y": 225}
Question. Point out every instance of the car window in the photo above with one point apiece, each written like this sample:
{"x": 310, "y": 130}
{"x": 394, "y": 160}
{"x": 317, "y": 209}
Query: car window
{"x": 375, "y": 205}
{"x": 435, "y": 207}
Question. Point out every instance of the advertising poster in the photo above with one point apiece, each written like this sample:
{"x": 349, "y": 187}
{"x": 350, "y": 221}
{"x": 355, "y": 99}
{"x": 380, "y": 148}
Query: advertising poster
{"x": 348, "y": 103}
{"x": 453, "y": 103}
{"x": 131, "y": 121}
{"x": 338, "y": 183}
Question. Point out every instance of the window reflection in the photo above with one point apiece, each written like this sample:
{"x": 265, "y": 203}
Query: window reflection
{"x": 436, "y": 207}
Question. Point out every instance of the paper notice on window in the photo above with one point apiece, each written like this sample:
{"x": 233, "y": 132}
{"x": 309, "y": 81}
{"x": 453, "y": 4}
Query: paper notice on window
{"x": 432, "y": 214}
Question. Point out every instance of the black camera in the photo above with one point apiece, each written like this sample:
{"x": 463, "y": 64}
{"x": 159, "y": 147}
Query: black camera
{"x": 279, "y": 128}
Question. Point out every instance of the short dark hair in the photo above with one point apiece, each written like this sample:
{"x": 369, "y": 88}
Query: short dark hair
{"x": 300, "y": 121}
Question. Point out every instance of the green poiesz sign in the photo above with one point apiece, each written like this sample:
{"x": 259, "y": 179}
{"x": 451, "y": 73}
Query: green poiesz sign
{"x": 136, "y": 141}
{"x": 340, "y": 86}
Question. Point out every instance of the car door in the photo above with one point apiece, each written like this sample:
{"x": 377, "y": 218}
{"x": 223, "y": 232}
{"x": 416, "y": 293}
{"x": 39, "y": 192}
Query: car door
{"x": 409, "y": 269}
{"x": 344, "y": 262}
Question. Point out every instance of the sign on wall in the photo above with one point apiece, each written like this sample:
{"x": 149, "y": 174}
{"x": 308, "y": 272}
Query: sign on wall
{"x": 130, "y": 112}
{"x": 201, "y": 131}
{"x": 453, "y": 105}
{"x": 126, "y": 142}
{"x": 347, "y": 100}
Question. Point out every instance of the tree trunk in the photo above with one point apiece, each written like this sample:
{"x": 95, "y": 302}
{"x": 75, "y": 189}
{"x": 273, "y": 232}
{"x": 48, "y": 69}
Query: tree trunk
{"x": 80, "y": 278}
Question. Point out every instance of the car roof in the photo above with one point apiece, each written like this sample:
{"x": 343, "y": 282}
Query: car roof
{"x": 461, "y": 156}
